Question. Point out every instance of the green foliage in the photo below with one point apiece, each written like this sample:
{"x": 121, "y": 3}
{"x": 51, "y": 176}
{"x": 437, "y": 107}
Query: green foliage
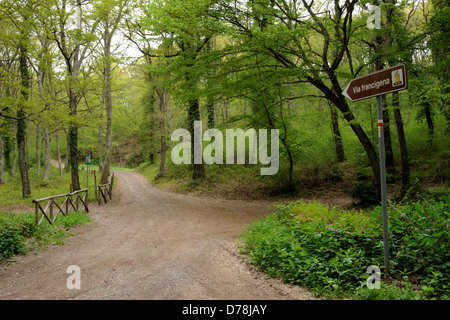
{"x": 364, "y": 190}
{"x": 10, "y": 243}
{"x": 314, "y": 246}
{"x": 421, "y": 242}
{"x": 400, "y": 291}
{"x": 19, "y": 233}
{"x": 329, "y": 250}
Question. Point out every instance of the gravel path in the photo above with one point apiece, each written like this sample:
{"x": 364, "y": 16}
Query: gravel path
{"x": 151, "y": 244}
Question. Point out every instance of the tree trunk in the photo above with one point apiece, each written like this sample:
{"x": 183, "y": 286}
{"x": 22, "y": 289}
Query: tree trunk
{"x": 108, "y": 107}
{"x": 59, "y": 154}
{"x": 21, "y": 123}
{"x": 162, "y": 106}
{"x": 66, "y": 158}
{"x": 430, "y": 124}
{"x": 167, "y": 100}
{"x": 396, "y": 106}
{"x": 73, "y": 143}
{"x": 38, "y": 154}
{"x": 389, "y": 153}
{"x": 334, "y": 95}
{"x": 210, "y": 113}
{"x": 402, "y": 144}
{"x": 194, "y": 115}
{"x": 100, "y": 128}
{"x": 14, "y": 163}
{"x": 47, "y": 155}
{"x": 338, "y": 145}
{"x": 2, "y": 162}
{"x": 27, "y": 147}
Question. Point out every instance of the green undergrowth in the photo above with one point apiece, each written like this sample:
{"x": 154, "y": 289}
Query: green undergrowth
{"x": 20, "y": 235}
{"x": 221, "y": 180}
{"x": 329, "y": 249}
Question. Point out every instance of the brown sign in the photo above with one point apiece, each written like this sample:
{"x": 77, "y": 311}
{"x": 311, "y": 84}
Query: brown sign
{"x": 377, "y": 83}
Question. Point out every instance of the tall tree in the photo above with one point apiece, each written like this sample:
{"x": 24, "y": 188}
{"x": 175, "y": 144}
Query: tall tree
{"x": 152, "y": 56}
{"x": 110, "y": 14}
{"x": 73, "y": 46}
{"x": 439, "y": 41}
{"x": 187, "y": 23}
{"x": 22, "y": 19}
{"x": 305, "y": 43}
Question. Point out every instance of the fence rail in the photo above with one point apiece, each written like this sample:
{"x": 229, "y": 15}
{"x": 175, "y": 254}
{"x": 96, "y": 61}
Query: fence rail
{"x": 71, "y": 201}
{"x": 105, "y": 190}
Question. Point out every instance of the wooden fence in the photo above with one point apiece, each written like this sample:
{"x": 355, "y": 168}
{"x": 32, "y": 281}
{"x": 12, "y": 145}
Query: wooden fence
{"x": 71, "y": 201}
{"x": 105, "y": 190}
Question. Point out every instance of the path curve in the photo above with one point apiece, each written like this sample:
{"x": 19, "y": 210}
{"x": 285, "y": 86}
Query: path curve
{"x": 151, "y": 244}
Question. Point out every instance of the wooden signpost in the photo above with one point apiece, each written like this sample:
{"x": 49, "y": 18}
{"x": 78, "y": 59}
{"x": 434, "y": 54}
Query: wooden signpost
{"x": 376, "y": 85}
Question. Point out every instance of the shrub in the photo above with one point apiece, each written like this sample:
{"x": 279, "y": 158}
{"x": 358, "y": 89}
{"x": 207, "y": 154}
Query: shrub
{"x": 10, "y": 243}
{"x": 329, "y": 250}
{"x": 364, "y": 190}
{"x": 19, "y": 231}
{"x": 420, "y": 242}
{"x": 314, "y": 246}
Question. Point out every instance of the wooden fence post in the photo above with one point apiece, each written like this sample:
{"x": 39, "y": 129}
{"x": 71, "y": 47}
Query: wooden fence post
{"x": 95, "y": 184}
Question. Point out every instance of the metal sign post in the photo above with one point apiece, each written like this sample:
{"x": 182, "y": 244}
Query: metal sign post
{"x": 383, "y": 181}
{"x": 376, "y": 85}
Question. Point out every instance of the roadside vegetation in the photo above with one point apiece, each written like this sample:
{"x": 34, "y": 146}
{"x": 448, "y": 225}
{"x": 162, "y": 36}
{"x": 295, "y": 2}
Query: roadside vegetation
{"x": 20, "y": 235}
{"x": 329, "y": 249}
{"x": 18, "y": 231}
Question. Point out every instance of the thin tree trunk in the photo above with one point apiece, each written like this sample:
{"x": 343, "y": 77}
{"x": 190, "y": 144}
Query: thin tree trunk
{"x": 59, "y": 154}
{"x": 27, "y": 146}
{"x": 47, "y": 155}
{"x": 66, "y": 158}
{"x": 390, "y": 163}
{"x": 339, "y": 147}
{"x": 38, "y": 154}
{"x": 100, "y": 128}
{"x": 430, "y": 124}
{"x": 402, "y": 143}
{"x": 21, "y": 124}
{"x": 167, "y": 100}
{"x": 162, "y": 105}
{"x": 14, "y": 163}
{"x": 210, "y": 113}
{"x": 2, "y": 162}
{"x": 110, "y": 28}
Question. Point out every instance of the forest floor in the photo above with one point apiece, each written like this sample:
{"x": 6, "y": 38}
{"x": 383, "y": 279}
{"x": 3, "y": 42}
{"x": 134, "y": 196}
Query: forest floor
{"x": 151, "y": 244}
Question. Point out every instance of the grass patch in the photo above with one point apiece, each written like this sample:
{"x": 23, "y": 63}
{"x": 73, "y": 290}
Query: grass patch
{"x": 11, "y": 191}
{"x": 329, "y": 249}
{"x": 20, "y": 235}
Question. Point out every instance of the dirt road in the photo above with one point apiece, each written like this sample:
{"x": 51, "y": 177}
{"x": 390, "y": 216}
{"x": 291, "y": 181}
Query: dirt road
{"x": 150, "y": 244}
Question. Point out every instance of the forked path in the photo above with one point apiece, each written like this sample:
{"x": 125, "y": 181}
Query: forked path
{"x": 150, "y": 244}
